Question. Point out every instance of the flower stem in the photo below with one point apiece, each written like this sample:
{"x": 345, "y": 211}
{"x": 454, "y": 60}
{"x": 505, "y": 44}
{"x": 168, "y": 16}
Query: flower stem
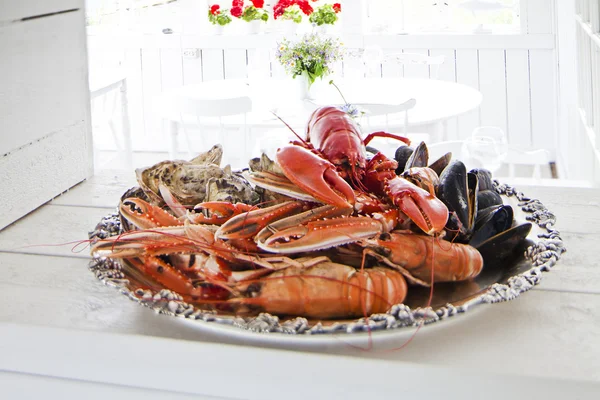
{"x": 339, "y": 91}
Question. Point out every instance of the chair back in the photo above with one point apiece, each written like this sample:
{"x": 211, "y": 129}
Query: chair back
{"x": 518, "y": 162}
{"x": 375, "y": 109}
{"x": 382, "y": 109}
{"x": 214, "y": 107}
{"x": 438, "y": 149}
{"x": 536, "y": 158}
{"x": 190, "y": 109}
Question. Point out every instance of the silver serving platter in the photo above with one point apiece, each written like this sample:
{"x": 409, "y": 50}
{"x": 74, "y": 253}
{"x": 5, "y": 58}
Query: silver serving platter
{"x": 498, "y": 282}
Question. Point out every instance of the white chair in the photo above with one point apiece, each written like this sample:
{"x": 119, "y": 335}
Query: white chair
{"x": 372, "y": 58}
{"x": 537, "y": 160}
{"x": 379, "y": 109}
{"x": 268, "y": 142}
{"x": 108, "y": 93}
{"x": 203, "y": 114}
{"x": 524, "y": 167}
{"x": 438, "y": 149}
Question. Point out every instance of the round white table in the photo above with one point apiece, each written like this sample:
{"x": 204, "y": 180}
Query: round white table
{"x": 436, "y": 102}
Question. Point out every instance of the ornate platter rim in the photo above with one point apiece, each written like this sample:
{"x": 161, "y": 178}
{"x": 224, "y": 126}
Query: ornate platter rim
{"x": 542, "y": 254}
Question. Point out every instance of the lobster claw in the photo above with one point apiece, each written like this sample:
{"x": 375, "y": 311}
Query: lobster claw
{"x": 427, "y": 211}
{"x": 315, "y": 175}
{"x": 144, "y": 215}
{"x": 217, "y": 212}
{"x": 310, "y": 231}
{"x": 248, "y": 224}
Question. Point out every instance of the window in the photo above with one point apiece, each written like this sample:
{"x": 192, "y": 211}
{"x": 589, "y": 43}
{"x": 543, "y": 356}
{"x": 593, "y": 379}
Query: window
{"x": 410, "y": 16}
{"x": 147, "y": 16}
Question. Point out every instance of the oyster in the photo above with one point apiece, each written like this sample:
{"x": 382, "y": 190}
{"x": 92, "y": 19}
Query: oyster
{"x": 232, "y": 188}
{"x": 195, "y": 181}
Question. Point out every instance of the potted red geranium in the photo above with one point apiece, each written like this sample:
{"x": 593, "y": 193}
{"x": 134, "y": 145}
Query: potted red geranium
{"x": 290, "y": 13}
{"x": 325, "y": 16}
{"x": 218, "y": 17}
{"x": 253, "y": 13}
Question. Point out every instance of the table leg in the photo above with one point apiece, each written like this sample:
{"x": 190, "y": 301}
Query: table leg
{"x": 172, "y": 130}
{"x": 126, "y": 125}
{"x": 437, "y": 131}
{"x": 445, "y": 130}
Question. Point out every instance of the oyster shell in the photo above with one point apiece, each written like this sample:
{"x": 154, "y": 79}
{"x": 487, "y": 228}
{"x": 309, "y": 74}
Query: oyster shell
{"x": 189, "y": 181}
{"x": 232, "y": 188}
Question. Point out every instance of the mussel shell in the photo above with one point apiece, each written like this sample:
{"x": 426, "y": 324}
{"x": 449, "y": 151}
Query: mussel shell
{"x": 483, "y": 213}
{"x": 488, "y": 198}
{"x": 457, "y": 191}
{"x": 419, "y": 157}
{"x": 485, "y": 178}
{"x": 490, "y": 222}
{"x": 504, "y": 245}
{"x": 441, "y": 163}
{"x": 473, "y": 190}
{"x": 402, "y": 155}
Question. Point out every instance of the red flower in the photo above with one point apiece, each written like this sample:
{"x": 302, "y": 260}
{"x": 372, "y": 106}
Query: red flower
{"x": 305, "y": 7}
{"x": 258, "y": 3}
{"x": 282, "y": 5}
{"x": 214, "y": 10}
{"x": 237, "y": 3}
{"x": 337, "y": 7}
{"x": 279, "y": 8}
{"x": 236, "y": 11}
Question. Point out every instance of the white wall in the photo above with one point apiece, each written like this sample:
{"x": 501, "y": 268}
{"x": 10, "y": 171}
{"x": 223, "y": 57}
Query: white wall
{"x": 584, "y": 153}
{"x": 45, "y": 137}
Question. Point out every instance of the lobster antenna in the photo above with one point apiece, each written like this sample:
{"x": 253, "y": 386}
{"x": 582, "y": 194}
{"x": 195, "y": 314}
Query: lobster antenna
{"x": 290, "y": 128}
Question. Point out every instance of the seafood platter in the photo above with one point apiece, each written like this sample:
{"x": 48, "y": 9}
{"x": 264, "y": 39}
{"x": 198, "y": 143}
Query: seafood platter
{"x": 330, "y": 237}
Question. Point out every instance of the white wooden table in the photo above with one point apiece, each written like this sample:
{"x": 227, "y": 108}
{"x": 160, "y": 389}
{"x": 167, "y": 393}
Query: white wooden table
{"x": 63, "y": 332}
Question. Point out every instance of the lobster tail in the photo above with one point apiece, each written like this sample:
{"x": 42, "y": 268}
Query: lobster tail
{"x": 327, "y": 290}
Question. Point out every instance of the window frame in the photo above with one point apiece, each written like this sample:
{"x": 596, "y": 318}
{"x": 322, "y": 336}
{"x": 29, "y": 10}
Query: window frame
{"x": 364, "y": 10}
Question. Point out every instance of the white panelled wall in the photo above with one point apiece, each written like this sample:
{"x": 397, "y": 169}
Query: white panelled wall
{"x": 585, "y": 143}
{"x": 517, "y": 73}
{"x": 45, "y": 137}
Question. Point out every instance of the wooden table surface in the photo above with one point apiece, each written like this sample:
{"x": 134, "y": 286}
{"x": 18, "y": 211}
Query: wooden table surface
{"x": 65, "y": 329}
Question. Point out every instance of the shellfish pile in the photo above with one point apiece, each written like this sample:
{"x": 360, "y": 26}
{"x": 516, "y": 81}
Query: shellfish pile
{"x": 312, "y": 233}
